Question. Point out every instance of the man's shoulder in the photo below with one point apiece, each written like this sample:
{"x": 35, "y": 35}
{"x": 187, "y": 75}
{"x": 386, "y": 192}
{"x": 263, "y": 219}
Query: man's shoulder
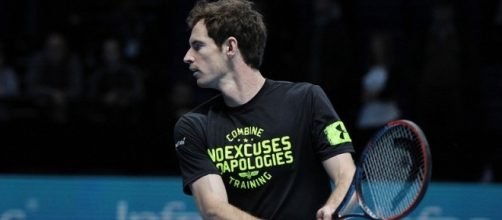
{"x": 200, "y": 112}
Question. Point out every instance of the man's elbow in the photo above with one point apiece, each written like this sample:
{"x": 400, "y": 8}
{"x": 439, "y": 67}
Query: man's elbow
{"x": 210, "y": 212}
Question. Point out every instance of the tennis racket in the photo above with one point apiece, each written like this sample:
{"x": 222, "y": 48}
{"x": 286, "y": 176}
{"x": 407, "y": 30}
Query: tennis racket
{"x": 392, "y": 174}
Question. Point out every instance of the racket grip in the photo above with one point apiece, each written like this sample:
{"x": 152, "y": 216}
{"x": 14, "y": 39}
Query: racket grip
{"x": 350, "y": 206}
{"x": 347, "y": 208}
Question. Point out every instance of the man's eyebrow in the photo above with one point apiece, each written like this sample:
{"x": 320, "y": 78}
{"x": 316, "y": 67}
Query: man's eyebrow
{"x": 192, "y": 42}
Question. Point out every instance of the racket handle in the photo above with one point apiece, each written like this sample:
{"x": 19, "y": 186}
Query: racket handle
{"x": 350, "y": 206}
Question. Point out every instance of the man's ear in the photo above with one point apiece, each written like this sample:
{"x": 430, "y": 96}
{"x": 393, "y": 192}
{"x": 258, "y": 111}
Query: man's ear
{"x": 231, "y": 46}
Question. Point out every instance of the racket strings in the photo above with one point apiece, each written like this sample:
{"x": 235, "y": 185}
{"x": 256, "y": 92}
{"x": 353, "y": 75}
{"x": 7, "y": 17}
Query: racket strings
{"x": 392, "y": 173}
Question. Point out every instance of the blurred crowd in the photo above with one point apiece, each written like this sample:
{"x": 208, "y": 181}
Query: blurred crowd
{"x": 95, "y": 87}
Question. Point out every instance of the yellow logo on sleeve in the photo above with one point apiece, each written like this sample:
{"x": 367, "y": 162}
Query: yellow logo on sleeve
{"x": 337, "y": 133}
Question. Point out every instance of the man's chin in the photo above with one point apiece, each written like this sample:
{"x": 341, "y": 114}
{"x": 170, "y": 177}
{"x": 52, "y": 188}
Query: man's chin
{"x": 206, "y": 84}
{"x": 202, "y": 84}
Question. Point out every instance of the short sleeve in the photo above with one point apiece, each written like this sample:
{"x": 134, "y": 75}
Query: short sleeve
{"x": 329, "y": 132}
{"x": 194, "y": 162}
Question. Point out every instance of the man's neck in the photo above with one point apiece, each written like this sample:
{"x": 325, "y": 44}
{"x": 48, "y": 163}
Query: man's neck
{"x": 241, "y": 86}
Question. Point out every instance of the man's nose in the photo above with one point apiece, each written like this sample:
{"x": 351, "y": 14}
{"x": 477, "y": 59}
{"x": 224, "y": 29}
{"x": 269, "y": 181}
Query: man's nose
{"x": 188, "y": 59}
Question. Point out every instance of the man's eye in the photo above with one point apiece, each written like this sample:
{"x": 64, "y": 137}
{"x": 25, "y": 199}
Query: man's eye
{"x": 197, "y": 46}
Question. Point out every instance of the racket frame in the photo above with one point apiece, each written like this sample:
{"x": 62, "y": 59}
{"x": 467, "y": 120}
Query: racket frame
{"x": 355, "y": 186}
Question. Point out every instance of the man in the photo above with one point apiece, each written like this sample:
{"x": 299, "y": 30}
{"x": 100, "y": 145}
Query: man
{"x": 262, "y": 148}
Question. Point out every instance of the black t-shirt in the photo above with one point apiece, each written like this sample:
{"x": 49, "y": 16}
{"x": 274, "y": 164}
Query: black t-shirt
{"x": 268, "y": 151}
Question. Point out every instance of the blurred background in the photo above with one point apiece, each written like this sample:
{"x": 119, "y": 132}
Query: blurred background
{"x": 95, "y": 87}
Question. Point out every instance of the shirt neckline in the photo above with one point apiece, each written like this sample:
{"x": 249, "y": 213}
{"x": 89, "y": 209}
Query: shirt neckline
{"x": 253, "y": 100}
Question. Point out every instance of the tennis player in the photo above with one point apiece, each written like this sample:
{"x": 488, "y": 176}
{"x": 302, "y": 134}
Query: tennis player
{"x": 262, "y": 149}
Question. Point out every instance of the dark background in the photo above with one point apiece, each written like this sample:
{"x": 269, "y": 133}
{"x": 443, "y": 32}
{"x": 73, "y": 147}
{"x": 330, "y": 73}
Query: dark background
{"x": 444, "y": 60}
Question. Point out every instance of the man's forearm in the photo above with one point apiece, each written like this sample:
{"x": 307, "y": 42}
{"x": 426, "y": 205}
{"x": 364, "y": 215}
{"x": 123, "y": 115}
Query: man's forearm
{"x": 339, "y": 193}
{"x": 341, "y": 169}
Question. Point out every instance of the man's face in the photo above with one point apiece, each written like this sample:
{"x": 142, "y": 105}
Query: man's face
{"x": 205, "y": 58}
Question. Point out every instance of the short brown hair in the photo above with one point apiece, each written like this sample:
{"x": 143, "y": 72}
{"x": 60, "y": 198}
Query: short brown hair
{"x": 237, "y": 18}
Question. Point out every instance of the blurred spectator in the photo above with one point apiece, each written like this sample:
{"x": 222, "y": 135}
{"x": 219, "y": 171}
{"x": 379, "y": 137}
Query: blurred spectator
{"x": 181, "y": 99}
{"x": 491, "y": 98}
{"x": 330, "y": 42}
{"x": 288, "y": 39}
{"x": 54, "y": 78}
{"x": 439, "y": 103}
{"x": 116, "y": 87}
{"x": 439, "y": 96}
{"x": 332, "y": 58}
{"x": 492, "y": 37}
{"x": 8, "y": 84}
{"x": 126, "y": 20}
{"x": 379, "y": 94}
